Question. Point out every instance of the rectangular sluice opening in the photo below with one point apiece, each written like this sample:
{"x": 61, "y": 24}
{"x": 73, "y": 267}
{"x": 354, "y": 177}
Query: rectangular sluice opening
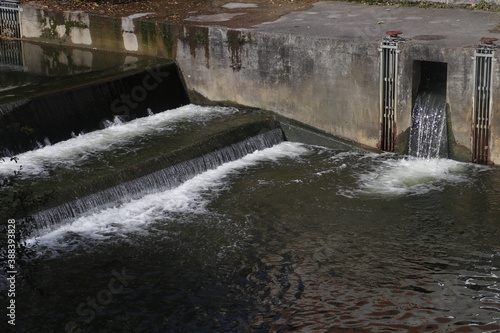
{"x": 429, "y": 130}
{"x": 429, "y": 74}
{"x": 481, "y": 125}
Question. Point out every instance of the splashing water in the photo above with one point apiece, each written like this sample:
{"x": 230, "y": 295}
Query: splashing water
{"x": 428, "y": 138}
{"x": 188, "y": 197}
{"x": 69, "y": 153}
{"x": 412, "y": 176}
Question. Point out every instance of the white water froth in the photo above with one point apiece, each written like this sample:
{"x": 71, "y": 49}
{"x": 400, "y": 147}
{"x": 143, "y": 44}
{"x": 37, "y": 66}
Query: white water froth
{"x": 411, "y": 176}
{"x": 71, "y": 152}
{"x": 190, "y": 197}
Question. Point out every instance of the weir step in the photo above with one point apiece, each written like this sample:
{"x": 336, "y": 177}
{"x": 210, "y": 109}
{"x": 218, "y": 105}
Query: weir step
{"x": 84, "y": 108}
{"x": 166, "y": 178}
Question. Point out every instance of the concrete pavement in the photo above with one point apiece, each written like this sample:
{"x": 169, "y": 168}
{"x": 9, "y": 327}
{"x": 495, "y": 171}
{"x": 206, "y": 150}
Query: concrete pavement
{"x": 339, "y": 20}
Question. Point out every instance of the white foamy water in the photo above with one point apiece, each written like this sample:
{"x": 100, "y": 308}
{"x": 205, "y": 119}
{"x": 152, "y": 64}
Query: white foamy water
{"x": 71, "y": 152}
{"x": 412, "y": 176}
{"x": 190, "y": 197}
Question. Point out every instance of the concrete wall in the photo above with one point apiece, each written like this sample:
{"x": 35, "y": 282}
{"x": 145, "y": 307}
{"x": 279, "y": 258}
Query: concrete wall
{"x": 331, "y": 84}
{"x": 495, "y": 116}
{"x": 127, "y": 34}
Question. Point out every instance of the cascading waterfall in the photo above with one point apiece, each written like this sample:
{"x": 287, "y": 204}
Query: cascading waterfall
{"x": 428, "y": 136}
{"x": 161, "y": 180}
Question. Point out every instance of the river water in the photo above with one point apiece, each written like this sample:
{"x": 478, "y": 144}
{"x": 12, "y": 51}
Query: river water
{"x": 290, "y": 238}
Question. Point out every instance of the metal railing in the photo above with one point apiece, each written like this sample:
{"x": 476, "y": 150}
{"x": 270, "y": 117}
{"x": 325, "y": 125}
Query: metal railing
{"x": 388, "y": 94}
{"x": 484, "y": 57}
{"x": 10, "y": 25}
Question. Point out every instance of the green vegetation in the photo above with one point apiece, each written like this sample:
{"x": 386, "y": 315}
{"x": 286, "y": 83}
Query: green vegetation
{"x": 236, "y": 39}
{"x": 70, "y": 25}
{"x": 14, "y": 203}
{"x": 147, "y": 30}
{"x": 51, "y": 27}
{"x": 199, "y": 37}
{"x": 50, "y": 31}
{"x": 15, "y": 129}
{"x": 167, "y": 33}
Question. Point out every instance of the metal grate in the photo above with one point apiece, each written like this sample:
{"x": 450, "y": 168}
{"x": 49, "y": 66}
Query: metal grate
{"x": 481, "y": 127}
{"x": 9, "y": 19}
{"x": 11, "y": 55}
{"x": 388, "y": 96}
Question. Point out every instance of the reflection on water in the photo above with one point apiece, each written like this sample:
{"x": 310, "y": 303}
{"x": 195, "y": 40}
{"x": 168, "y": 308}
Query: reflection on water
{"x": 28, "y": 69}
{"x": 292, "y": 238}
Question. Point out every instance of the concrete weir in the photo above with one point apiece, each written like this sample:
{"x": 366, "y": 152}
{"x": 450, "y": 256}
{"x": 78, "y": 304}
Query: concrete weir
{"x": 321, "y": 66}
{"x": 57, "y": 116}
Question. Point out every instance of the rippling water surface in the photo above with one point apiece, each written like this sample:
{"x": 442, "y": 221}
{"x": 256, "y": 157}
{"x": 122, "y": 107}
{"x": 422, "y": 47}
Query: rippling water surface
{"x": 292, "y": 238}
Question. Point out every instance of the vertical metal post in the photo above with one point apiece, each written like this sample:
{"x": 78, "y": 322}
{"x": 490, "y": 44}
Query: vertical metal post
{"x": 388, "y": 89}
{"x": 484, "y": 57}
